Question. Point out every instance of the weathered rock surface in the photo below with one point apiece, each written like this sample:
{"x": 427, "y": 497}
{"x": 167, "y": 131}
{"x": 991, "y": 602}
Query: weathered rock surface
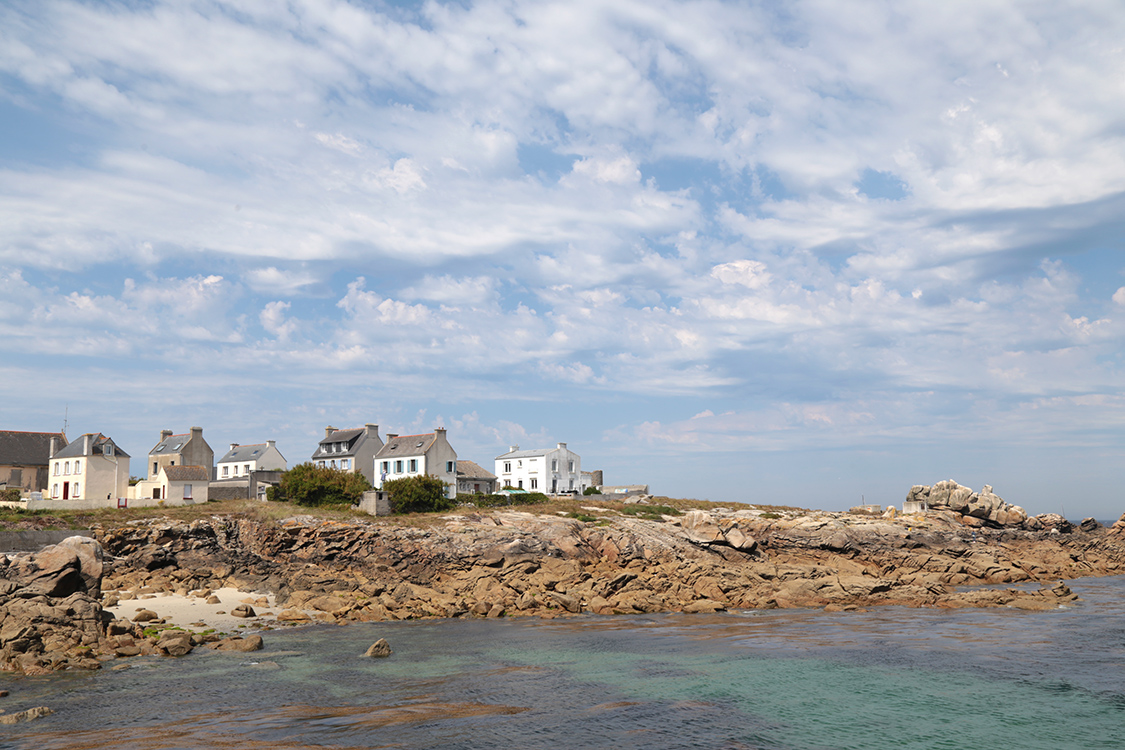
{"x": 379, "y": 649}
{"x": 974, "y": 509}
{"x": 506, "y": 564}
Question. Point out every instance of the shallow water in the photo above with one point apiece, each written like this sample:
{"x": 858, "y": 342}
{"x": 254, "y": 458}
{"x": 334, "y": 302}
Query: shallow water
{"x": 888, "y": 678}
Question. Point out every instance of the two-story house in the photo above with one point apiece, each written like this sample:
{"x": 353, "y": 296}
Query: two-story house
{"x": 90, "y": 472}
{"x": 187, "y": 449}
{"x": 349, "y": 450}
{"x": 25, "y": 458}
{"x": 411, "y": 455}
{"x": 242, "y": 460}
{"x": 554, "y": 471}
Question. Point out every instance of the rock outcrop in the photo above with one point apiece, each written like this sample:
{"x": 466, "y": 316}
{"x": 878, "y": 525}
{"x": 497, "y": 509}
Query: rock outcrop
{"x": 973, "y": 508}
{"x": 507, "y": 564}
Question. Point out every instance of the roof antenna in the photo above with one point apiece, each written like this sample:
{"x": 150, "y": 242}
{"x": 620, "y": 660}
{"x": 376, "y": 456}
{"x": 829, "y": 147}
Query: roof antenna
{"x": 65, "y": 422}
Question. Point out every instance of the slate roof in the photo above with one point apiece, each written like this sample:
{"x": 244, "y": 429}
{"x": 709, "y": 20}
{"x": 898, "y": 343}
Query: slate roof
{"x": 243, "y": 453}
{"x": 27, "y": 448}
{"x": 187, "y": 473}
{"x": 406, "y": 445}
{"x": 471, "y": 470}
{"x": 170, "y": 444}
{"x": 76, "y": 448}
{"x": 340, "y": 436}
{"x": 529, "y": 454}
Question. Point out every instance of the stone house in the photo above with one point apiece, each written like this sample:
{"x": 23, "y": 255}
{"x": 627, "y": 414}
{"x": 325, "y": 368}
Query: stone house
{"x": 555, "y": 470}
{"x": 90, "y": 472}
{"x": 182, "y": 485}
{"x": 188, "y": 449}
{"x": 349, "y": 450}
{"x": 412, "y": 455}
{"x": 473, "y": 479}
{"x": 25, "y": 458}
{"x": 246, "y": 471}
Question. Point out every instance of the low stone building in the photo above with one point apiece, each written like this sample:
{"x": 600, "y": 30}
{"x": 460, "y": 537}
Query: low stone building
{"x": 474, "y": 479}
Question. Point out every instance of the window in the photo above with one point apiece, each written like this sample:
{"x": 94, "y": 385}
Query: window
{"x": 570, "y": 468}
{"x": 246, "y": 469}
{"x": 507, "y": 467}
{"x": 398, "y": 467}
{"x": 414, "y": 464}
{"x": 554, "y": 464}
{"x": 66, "y": 468}
{"x": 187, "y": 492}
{"x": 320, "y": 464}
{"x": 345, "y": 463}
{"x": 534, "y": 484}
{"x": 332, "y": 463}
{"x": 57, "y": 465}
{"x": 449, "y": 468}
{"x": 77, "y": 490}
{"x": 77, "y": 467}
{"x": 226, "y": 471}
{"x": 55, "y": 486}
{"x": 155, "y": 468}
{"x": 521, "y": 484}
{"x": 386, "y": 466}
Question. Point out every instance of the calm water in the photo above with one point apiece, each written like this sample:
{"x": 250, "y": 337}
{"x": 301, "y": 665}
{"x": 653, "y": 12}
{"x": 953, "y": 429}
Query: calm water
{"x": 889, "y": 678}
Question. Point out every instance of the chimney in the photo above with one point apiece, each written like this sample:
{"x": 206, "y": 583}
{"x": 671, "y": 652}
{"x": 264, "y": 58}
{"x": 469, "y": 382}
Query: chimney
{"x": 513, "y": 448}
{"x": 270, "y": 444}
{"x": 392, "y": 435}
{"x": 233, "y": 446}
{"x": 439, "y": 431}
{"x": 329, "y": 430}
{"x": 54, "y": 447}
{"x": 196, "y": 432}
{"x": 562, "y": 446}
{"x": 372, "y": 430}
{"x": 86, "y": 451}
{"x": 165, "y": 434}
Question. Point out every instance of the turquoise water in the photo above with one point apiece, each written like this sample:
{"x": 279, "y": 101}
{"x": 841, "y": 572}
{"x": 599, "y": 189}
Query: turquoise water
{"x": 888, "y": 678}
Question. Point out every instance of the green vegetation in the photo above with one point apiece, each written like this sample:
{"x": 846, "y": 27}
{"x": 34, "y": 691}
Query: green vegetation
{"x": 591, "y": 491}
{"x": 314, "y": 486}
{"x": 770, "y": 515}
{"x": 418, "y": 494}
{"x": 10, "y": 494}
{"x": 500, "y": 501}
{"x": 651, "y": 512}
{"x": 583, "y": 517}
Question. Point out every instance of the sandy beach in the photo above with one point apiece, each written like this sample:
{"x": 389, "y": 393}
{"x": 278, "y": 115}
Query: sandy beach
{"x": 194, "y": 613}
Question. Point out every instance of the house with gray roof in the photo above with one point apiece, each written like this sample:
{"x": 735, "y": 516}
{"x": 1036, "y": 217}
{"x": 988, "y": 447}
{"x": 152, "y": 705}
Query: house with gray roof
{"x": 474, "y": 479}
{"x": 184, "y": 449}
{"x": 412, "y": 455}
{"x": 90, "y": 472}
{"x": 242, "y": 460}
{"x": 554, "y": 471}
{"x": 25, "y": 458}
{"x": 349, "y": 450}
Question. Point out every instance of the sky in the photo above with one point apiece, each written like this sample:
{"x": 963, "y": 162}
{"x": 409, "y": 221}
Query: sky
{"x": 800, "y": 253}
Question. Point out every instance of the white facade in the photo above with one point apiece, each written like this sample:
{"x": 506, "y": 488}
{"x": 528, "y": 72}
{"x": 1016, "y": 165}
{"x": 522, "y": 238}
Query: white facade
{"x": 90, "y": 472}
{"x": 241, "y": 460}
{"x": 413, "y": 455}
{"x": 549, "y": 470}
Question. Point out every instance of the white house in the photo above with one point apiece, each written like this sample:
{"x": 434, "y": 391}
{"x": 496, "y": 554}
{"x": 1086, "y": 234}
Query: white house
{"x": 182, "y": 485}
{"x": 555, "y": 470}
{"x": 412, "y": 455}
{"x": 184, "y": 449}
{"x": 90, "y": 472}
{"x": 242, "y": 460}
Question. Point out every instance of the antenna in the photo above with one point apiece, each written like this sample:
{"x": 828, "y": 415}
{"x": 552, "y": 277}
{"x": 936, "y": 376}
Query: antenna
{"x": 65, "y": 422}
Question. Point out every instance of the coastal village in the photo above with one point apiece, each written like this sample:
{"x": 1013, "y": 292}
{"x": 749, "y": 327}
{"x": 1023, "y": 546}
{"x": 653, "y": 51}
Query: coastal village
{"x": 46, "y": 471}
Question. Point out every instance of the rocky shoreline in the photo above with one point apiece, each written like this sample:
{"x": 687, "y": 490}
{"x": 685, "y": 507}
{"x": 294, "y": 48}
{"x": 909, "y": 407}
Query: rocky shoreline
{"x": 56, "y": 603}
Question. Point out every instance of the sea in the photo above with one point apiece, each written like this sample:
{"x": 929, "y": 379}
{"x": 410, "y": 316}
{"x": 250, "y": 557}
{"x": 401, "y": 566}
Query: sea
{"x": 890, "y": 677}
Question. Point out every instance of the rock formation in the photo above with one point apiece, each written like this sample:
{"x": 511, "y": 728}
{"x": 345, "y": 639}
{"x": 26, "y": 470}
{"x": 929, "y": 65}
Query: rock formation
{"x": 509, "y": 564}
{"x": 974, "y": 508}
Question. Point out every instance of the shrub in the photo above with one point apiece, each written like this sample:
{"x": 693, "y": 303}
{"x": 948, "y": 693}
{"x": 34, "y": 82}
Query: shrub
{"x": 306, "y": 484}
{"x": 418, "y": 494}
{"x": 10, "y": 494}
{"x": 591, "y": 491}
{"x": 583, "y": 517}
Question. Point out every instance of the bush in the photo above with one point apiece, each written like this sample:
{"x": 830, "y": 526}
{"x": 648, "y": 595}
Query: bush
{"x": 10, "y": 494}
{"x": 306, "y": 484}
{"x": 418, "y": 494}
{"x": 499, "y": 501}
{"x": 591, "y": 491}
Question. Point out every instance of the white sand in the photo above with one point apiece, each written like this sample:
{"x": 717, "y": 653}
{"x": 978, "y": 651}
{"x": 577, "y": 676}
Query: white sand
{"x": 186, "y": 611}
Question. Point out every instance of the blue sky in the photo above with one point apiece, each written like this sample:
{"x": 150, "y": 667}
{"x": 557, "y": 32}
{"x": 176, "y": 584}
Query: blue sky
{"x": 800, "y": 253}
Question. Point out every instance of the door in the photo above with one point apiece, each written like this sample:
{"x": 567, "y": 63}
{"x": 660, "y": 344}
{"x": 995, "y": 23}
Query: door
{"x": 65, "y": 490}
